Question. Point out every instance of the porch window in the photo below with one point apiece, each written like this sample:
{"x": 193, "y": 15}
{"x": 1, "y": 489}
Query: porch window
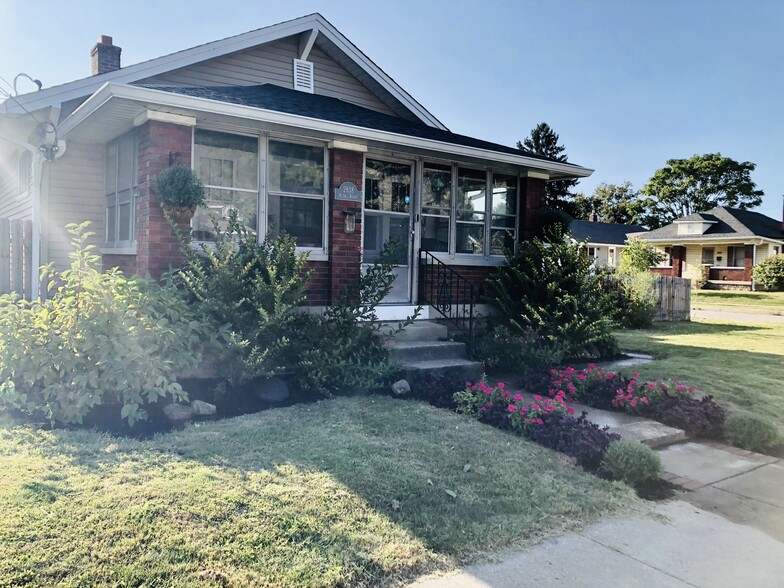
{"x": 736, "y": 256}
{"x": 120, "y": 188}
{"x": 708, "y": 255}
{"x": 228, "y": 165}
{"x": 24, "y": 173}
{"x": 436, "y": 206}
{"x": 296, "y": 188}
{"x": 471, "y": 205}
{"x": 503, "y": 219}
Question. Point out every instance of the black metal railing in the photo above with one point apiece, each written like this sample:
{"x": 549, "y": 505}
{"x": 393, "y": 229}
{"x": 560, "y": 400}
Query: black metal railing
{"x": 450, "y": 293}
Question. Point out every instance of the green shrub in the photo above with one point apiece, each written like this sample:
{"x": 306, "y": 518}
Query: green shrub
{"x": 637, "y": 256}
{"x": 631, "y": 462}
{"x": 179, "y": 186}
{"x": 523, "y": 352}
{"x": 551, "y": 289}
{"x": 343, "y": 349}
{"x": 251, "y": 288}
{"x": 769, "y": 273}
{"x": 750, "y": 431}
{"x": 99, "y": 338}
{"x": 630, "y": 296}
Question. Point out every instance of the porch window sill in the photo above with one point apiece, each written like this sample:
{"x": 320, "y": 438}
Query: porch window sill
{"x": 129, "y": 250}
{"x": 727, "y": 267}
{"x": 470, "y": 260}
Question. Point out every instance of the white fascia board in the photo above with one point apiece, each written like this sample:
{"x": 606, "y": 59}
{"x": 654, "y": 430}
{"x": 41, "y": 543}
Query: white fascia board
{"x": 314, "y": 22}
{"x": 159, "y": 97}
{"x": 739, "y": 239}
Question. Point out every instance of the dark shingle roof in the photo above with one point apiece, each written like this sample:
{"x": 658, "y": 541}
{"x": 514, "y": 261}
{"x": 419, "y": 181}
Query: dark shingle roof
{"x": 271, "y": 97}
{"x": 730, "y": 222}
{"x": 609, "y": 233}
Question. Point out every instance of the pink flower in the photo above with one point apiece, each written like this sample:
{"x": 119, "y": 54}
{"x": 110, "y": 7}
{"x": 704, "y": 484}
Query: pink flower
{"x": 570, "y": 410}
{"x": 518, "y": 396}
{"x": 538, "y": 398}
{"x": 675, "y": 379}
{"x": 524, "y": 408}
{"x": 644, "y": 400}
{"x": 692, "y": 388}
{"x": 511, "y": 408}
{"x": 500, "y": 385}
{"x": 535, "y": 406}
{"x": 581, "y": 377}
{"x": 635, "y": 375}
{"x": 539, "y": 421}
{"x": 651, "y": 385}
{"x": 633, "y": 402}
{"x": 473, "y": 388}
{"x": 468, "y": 384}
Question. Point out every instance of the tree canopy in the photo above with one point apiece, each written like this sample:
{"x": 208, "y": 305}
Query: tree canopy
{"x": 609, "y": 203}
{"x": 543, "y": 140}
{"x": 697, "y": 184}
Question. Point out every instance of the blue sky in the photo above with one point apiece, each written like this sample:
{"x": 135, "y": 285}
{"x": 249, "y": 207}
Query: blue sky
{"x": 627, "y": 84}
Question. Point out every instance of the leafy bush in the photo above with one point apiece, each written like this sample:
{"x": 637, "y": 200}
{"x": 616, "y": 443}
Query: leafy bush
{"x": 550, "y": 289}
{"x": 251, "y": 288}
{"x": 700, "y": 417}
{"x": 751, "y": 431}
{"x": 637, "y": 256}
{"x": 524, "y": 351}
{"x": 769, "y": 273}
{"x": 438, "y": 390}
{"x": 630, "y": 298}
{"x": 99, "y": 338}
{"x": 179, "y": 186}
{"x": 355, "y": 357}
{"x": 577, "y": 437}
{"x": 632, "y": 462}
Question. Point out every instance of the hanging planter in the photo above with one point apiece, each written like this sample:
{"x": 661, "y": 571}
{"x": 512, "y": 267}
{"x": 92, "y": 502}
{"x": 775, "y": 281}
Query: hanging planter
{"x": 180, "y": 192}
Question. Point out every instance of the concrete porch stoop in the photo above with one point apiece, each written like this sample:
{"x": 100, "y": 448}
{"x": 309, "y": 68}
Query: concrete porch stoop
{"x": 423, "y": 348}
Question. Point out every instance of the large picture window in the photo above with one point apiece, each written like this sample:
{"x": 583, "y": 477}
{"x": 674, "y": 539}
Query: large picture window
{"x": 120, "y": 181}
{"x": 503, "y": 219}
{"x": 228, "y": 165}
{"x": 296, "y": 185}
{"x": 471, "y": 211}
{"x": 436, "y": 207}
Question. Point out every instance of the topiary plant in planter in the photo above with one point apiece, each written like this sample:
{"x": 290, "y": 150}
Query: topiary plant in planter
{"x": 180, "y": 192}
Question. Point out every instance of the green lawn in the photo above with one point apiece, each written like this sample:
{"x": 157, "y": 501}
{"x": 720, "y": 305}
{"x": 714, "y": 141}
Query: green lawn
{"x": 741, "y": 365}
{"x": 739, "y": 301}
{"x": 344, "y": 492}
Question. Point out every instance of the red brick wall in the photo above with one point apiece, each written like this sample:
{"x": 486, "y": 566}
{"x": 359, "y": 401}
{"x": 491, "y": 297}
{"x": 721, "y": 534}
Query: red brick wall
{"x": 319, "y": 290}
{"x": 748, "y": 262}
{"x": 733, "y": 275}
{"x": 127, "y": 263}
{"x": 532, "y": 203}
{"x": 345, "y": 250}
{"x": 476, "y": 275}
{"x": 157, "y": 248}
{"x": 662, "y": 271}
{"x": 678, "y": 258}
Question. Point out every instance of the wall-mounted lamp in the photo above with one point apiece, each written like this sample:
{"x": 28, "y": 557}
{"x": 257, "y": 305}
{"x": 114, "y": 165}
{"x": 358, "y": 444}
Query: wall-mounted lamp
{"x": 350, "y": 224}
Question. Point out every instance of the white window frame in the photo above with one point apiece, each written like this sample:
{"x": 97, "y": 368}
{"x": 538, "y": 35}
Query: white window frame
{"x": 24, "y": 169}
{"x": 118, "y": 246}
{"x": 491, "y": 175}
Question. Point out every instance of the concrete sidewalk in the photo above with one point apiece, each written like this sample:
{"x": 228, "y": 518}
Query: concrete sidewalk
{"x": 736, "y": 317}
{"x": 678, "y": 545}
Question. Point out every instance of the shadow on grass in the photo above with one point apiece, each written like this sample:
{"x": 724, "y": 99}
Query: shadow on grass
{"x": 696, "y": 328}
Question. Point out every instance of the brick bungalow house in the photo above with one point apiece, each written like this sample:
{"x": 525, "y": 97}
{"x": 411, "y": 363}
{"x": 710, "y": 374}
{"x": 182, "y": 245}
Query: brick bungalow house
{"x": 721, "y": 245}
{"x": 292, "y": 126}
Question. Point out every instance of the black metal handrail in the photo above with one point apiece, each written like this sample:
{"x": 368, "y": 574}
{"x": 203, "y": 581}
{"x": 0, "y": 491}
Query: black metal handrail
{"x": 450, "y": 293}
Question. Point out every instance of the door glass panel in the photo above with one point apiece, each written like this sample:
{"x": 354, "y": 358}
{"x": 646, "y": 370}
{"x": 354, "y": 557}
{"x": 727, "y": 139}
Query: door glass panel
{"x": 435, "y": 233}
{"x": 387, "y": 186}
{"x": 382, "y": 228}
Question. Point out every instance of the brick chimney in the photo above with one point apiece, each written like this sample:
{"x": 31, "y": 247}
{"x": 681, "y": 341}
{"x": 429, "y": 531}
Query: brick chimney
{"x": 105, "y": 56}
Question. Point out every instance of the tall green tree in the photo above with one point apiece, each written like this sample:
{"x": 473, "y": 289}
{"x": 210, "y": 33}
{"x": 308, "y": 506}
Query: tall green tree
{"x": 697, "y": 184}
{"x": 610, "y": 203}
{"x": 543, "y": 140}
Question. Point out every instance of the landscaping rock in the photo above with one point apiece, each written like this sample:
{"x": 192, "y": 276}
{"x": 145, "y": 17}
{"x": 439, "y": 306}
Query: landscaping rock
{"x": 202, "y": 408}
{"x": 273, "y": 390}
{"x": 401, "y": 387}
{"x": 178, "y": 412}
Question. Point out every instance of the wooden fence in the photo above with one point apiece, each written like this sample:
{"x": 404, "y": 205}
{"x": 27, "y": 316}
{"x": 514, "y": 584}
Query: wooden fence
{"x": 673, "y": 298}
{"x": 16, "y": 259}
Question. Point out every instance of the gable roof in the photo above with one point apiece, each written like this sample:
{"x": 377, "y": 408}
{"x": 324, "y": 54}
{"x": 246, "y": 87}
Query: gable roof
{"x": 134, "y": 73}
{"x": 604, "y": 233}
{"x": 725, "y": 222}
{"x": 271, "y": 97}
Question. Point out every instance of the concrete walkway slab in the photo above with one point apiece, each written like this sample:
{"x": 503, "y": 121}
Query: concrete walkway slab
{"x": 650, "y": 432}
{"x": 703, "y": 463}
{"x": 680, "y": 545}
{"x": 740, "y": 509}
{"x": 765, "y": 484}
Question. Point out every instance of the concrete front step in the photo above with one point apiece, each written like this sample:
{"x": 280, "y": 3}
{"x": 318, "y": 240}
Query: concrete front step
{"x": 412, "y": 351}
{"x": 650, "y": 432}
{"x": 462, "y": 369}
{"x": 417, "y": 331}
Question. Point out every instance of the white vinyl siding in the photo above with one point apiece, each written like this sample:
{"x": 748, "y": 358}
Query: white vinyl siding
{"x": 273, "y": 64}
{"x": 76, "y": 194}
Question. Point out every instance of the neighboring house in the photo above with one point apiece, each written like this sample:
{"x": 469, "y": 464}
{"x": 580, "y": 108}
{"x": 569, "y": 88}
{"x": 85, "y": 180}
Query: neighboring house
{"x": 721, "y": 245}
{"x": 291, "y": 125}
{"x": 605, "y": 241}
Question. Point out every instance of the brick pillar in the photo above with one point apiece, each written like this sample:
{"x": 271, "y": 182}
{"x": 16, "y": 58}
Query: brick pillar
{"x": 748, "y": 262}
{"x": 345, "y": 250}
{"x": 678, "y": 257}
{"x": 532, "y": 202}
{"x": 157, "y": 248}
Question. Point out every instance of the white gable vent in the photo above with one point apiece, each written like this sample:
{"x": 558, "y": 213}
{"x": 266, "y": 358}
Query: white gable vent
{"x": 303, "y": 76}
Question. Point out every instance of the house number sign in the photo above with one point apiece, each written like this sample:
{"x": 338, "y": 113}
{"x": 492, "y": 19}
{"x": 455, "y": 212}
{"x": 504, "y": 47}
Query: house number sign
{"x": 348, "y": 191}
